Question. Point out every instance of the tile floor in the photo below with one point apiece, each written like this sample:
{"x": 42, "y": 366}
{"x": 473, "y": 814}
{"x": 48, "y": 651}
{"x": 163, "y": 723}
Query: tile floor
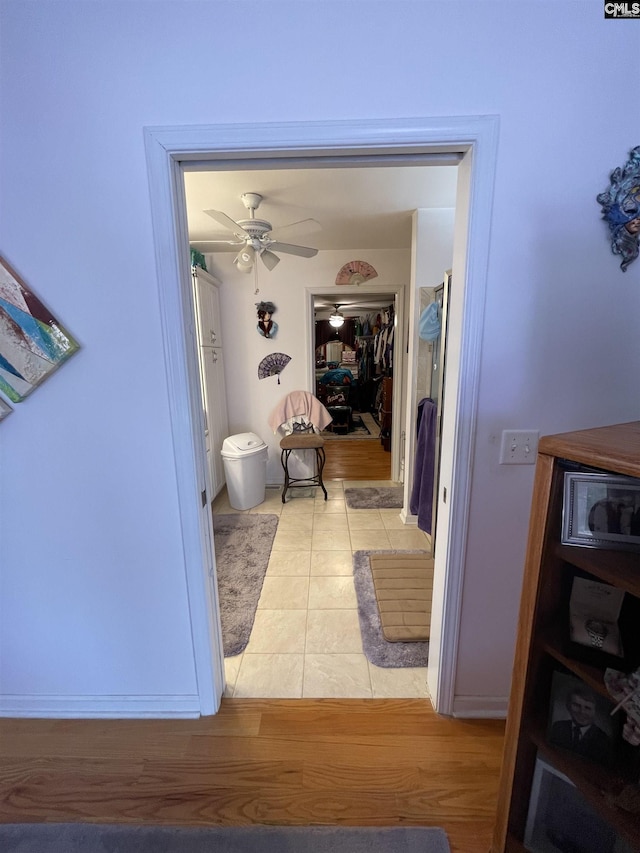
{"x": 305, "y": 640}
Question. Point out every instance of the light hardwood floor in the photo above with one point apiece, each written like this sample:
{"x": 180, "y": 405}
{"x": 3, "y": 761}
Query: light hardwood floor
{"x": 349, "y": 762}
{"x": 356, "y": 459}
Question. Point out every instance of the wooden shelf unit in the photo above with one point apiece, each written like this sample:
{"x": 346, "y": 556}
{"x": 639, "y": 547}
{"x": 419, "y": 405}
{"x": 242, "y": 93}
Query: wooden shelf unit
{"x": 543, "y": 644}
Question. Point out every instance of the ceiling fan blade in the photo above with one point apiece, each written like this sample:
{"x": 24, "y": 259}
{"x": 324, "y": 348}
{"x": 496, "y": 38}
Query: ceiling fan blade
{"x": 225, "y": 220}
{"x": 231, "y": 243}
{"x": 269, "y": 259}
{"x": 289, "y": 249}
{"x": 299, "y": 228}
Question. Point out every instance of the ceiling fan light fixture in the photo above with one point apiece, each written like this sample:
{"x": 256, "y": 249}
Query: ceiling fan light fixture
{"x": 244, "y": 260}
{"x": 336, "y": 319}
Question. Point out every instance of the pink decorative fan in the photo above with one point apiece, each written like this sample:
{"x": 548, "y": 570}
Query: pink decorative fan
{"x": 355, "y": 272}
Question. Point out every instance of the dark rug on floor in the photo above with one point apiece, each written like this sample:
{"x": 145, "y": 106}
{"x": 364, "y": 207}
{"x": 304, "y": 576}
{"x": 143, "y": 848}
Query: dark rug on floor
{"x": 376, "y": 648}
{"x": 243, "y": 546}
{"x": 358, "y": 430}
{"x": 109, "y": 838}
{"x": 386, "y": 497}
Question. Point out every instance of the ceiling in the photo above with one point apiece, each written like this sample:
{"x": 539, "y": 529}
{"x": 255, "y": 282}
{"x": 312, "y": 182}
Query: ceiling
{"x": 357, "y": 207}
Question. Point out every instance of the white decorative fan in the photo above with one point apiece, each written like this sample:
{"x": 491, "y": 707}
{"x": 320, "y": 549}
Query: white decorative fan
{"x": 254, "y": 236}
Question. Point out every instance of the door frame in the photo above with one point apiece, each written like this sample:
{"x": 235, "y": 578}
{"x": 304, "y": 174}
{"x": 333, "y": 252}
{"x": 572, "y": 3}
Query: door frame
{"x": 168, "y": 151}
{"x": 399, "y": 368}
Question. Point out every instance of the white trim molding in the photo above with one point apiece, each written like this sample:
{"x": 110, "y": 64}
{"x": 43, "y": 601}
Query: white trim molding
{"x": 399, "y": 367}
{"x": 169, "y": 150}
{"x": 481, "y": 707}
{"x": 52, "y": 706}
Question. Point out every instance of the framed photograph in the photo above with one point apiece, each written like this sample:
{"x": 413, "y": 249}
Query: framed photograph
{"x": 594, "y": 609}
{"x": 601, "y": 511}
{"x": 560, "y": 820}
{"x": 580, "y": 720}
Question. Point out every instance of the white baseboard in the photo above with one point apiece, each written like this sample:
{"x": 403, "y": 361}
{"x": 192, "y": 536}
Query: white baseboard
{"x": 481, "y": 707}
{"x": 49, "y": 706}
{"x": 408, "y": 519}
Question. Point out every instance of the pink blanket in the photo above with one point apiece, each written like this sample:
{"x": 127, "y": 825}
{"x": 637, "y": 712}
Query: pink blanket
{"x": 300, "y": 403}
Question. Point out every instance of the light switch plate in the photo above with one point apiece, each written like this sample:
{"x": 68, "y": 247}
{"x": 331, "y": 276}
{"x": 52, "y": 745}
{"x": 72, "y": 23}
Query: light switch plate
{"x": 519, "y": 446}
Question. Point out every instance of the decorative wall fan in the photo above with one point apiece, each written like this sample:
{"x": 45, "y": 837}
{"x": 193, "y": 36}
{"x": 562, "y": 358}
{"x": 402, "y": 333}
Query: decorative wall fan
{"x": 273, "y": 365}
{"x": 355, "y": 272}
{"x": 254, "y": 236}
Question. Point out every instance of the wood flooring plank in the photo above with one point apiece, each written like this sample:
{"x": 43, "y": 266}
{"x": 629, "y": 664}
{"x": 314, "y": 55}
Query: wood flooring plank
{"x": 113, "y": 746}
{"x": 447, "y": 798}
{"x": 467, "y": 836}
{"x": 167, "y": 776}
{"x": 356, "y": 459}
{"x": 401, "y": 723}
{"x": 292, "y": 762}
{"x": 374, "y": 777}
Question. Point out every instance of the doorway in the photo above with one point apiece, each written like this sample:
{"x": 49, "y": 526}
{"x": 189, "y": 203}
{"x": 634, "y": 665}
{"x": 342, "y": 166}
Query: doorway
{"x": 370, "y": 305}
{"x": 167, "y": 149}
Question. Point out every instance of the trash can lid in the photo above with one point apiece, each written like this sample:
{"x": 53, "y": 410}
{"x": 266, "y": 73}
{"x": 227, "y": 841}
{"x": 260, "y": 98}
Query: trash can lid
{"x": 242, "y": 444}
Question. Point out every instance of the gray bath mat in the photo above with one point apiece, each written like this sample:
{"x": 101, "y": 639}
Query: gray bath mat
{"x": 243, "y": 547}
{"x": 385, "y": 497}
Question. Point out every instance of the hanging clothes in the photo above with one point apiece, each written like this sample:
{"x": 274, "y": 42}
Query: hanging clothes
{"x": 421, "y": 503}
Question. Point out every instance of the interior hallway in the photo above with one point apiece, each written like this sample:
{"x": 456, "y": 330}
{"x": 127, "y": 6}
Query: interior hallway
{"x": 305, "y": 641}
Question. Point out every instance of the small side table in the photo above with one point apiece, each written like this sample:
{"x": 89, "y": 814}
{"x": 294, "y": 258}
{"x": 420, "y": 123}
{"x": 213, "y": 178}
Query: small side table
{"x": 296, "y": 441}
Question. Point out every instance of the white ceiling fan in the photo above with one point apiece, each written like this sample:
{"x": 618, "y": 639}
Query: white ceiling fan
{"x": 254, "y": 236}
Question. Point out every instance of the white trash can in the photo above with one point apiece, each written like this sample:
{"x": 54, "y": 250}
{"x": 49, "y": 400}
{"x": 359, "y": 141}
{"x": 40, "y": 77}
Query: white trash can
{"x": 245, "y": 466}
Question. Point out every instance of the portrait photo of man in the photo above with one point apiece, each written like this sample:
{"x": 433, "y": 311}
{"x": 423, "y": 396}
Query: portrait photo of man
{"x": 579, "y": 721}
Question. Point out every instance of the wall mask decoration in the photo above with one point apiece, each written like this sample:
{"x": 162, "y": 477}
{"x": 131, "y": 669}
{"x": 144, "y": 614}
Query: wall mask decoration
{"x": 32, "y": 342}
{"x": 266, "y": 326}
{"x": 355, "y": 272}
{"x": 621, "y": 209}
{"x": 273, "y": 365}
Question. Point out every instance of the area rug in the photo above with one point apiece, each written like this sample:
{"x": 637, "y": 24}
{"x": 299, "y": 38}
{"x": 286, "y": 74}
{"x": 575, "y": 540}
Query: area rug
{"x": 362, "y": 426}
{"x": 403, "y": 584}
{"x": 109, "y": 838}
{"x": 243, "y": 546}
{"x": 386, "y": 497}
{"x": 376, "y": 649}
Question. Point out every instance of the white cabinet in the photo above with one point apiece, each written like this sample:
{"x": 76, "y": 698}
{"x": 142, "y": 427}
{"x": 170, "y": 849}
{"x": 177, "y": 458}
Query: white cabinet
{"x": 214, "y": 396}
{"x": 207, "y": 310}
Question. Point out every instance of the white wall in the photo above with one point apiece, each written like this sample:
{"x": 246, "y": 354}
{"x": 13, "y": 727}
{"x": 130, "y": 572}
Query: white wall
{"x": 93, "y": 592}
{"x": 251, "y": 400}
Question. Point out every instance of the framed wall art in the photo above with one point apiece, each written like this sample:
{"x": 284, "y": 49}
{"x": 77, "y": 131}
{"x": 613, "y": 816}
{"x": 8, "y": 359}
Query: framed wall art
{"x": 601, "y": 511}
{"x": 5, "y": 409}
{"x": 33, "y": 343}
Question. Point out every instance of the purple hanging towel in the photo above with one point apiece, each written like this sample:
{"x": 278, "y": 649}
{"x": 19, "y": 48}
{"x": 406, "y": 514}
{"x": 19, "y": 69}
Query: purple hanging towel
{"x": 421, "y": 503}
